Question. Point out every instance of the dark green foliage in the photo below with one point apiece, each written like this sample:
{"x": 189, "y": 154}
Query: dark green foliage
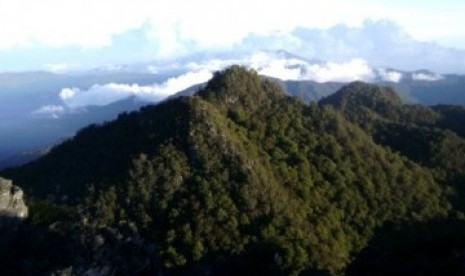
{"x": 432, "y": 137}
{"x": 453, "y": 118}
{"x": 44, "y": 213}
{"x": 364, "y": 103}
{"x": 34, "y": 251}
{"x": 241, "y": 176}
{"x": 433, "y": 248}
{"x": 76, "y": 247}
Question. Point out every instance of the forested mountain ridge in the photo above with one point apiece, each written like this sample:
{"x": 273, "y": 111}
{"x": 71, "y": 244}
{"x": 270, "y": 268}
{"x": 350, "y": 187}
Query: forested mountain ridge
{"x": 362, "y": 102}
{"x": 431, "y": 136}
{"x": 238, "y": 177}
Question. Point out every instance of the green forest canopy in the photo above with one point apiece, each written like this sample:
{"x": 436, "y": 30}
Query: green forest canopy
{"x": 240, "y": 176}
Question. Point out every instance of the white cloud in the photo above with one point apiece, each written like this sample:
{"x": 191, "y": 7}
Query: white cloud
{"x": 440, "y": 21}
{"x": 298, "y": 69}
{"x": 114, "y": 68}
{"x": 57, "y": 23}
{"x": 209, "y": 23}
{"x": 68, "y": 93}
{"x": 426, "y": 77}
{"x": 280, "y": 69}
{"x": 387, "y": 75}
{"x": 52, "y": 111}
{"x": 153, "y": 69}
{"x": 214, "y": 64}
{"x": 355, "y": 69}
{"x": 274, "y": 64}
{"x": 57, "y": 68}
{"x": 381, "y": 43}
{"x": 82, "y": 32}
{"x": 266, "y": 63}
{"x": 112, "y": 92}
{"x": 176, "y": 84}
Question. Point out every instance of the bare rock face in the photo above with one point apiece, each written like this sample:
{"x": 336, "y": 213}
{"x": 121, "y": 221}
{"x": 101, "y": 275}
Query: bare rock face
{"x": 13, "y": 210}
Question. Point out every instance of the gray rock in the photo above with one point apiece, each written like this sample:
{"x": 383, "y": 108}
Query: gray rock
{"x": 12, "y": 207}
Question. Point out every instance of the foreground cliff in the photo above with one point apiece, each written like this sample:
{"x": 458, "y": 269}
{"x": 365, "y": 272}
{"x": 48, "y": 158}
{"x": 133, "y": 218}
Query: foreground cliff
{"x": 12, "y": 205}
{"x": 13, "y": 210}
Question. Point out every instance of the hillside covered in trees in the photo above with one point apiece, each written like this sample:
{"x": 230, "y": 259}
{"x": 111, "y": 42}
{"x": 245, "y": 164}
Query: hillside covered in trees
{"x": 240, "y": 178}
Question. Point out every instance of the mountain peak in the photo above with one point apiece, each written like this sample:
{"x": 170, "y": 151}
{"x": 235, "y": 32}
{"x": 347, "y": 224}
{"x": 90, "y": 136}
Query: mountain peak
{"x": 233, "y": 80}
{"x": 363, "y": 94}
{"x": 239, "y": 87}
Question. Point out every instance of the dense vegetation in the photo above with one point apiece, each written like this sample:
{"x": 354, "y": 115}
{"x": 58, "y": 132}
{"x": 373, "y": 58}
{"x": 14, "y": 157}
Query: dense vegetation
{"x": 431, "y": 136}
{"x": 239, "y": 177}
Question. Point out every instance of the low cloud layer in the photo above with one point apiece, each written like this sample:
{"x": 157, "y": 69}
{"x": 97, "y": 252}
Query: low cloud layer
{"x": 380, "y": 43}
{"x": 284, "y": 66}
{"x": 50, "y": 111}
{"x": 426, "y": 77}
{"x": 112, "y": 92}
{"x": 294, "y": 69}
{"x": 279, "y": 65}
{"x": 390, "y": 76}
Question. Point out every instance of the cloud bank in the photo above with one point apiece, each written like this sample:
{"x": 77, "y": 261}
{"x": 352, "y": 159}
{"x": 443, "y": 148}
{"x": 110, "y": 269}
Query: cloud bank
{"x": 426, "y": 77}
{"x": 295, "y": 69}
{"x": 279, "y": 65}
{"x": 83, "y": 33}
{"x": 285, "y": 66}
{"x": 380, "y": 43}
{"x": 50, "y": 111}
{"x": 207, "y": 23}
{"x": 106, "y": 94}
{"x": 389, "y": 75}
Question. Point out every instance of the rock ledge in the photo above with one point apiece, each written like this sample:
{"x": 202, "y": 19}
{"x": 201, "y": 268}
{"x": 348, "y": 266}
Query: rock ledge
{"x": 12, "y": 206}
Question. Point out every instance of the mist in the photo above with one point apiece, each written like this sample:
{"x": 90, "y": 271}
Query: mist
{"x": 100, "y": 95}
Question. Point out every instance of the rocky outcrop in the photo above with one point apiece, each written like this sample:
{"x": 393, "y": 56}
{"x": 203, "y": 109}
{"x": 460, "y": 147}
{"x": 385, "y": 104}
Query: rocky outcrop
{"x": 12, "y": 207}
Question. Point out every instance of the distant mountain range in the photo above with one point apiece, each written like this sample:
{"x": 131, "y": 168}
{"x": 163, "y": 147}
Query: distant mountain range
{"x": 40, "y": 108}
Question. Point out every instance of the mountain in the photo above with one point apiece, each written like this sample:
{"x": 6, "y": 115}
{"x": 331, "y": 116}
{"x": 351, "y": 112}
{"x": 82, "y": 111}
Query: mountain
{"x": 432, "y": 89}
{"x": 314, "y": 79}
{"x": 17, "y": 147}
{"x": 41, "y": 108}
{"x": 237, "y": 178}
{"x": 23, "y": 157}
{"x": 308, "y": 91}
{"x": 32, "y": 107}
{"x": 311, "y": 91}
{"x": 431, "y": 136}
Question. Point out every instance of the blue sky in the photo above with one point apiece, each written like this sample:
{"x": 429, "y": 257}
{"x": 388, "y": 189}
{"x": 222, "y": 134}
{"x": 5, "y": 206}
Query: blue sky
{"x": 62, "y": 35}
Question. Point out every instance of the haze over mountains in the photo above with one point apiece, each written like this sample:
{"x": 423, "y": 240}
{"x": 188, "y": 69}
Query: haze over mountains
{"x": 51, "y": 107}
{"x": 71, "y": 74}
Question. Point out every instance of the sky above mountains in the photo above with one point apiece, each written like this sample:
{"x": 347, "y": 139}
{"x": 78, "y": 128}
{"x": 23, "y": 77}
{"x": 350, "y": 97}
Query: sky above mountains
{"x": 62, "y": 35}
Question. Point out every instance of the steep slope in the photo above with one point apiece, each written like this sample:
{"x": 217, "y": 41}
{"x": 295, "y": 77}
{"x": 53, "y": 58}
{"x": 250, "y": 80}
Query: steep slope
{"x": 453, "y": 118}
{"x": 17, "y": 147}
{"x": 237, "y": 177}
{"x": 430, "y": 136}
{"x": 430, "y": 248}
{"x": 364, "y": 103}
